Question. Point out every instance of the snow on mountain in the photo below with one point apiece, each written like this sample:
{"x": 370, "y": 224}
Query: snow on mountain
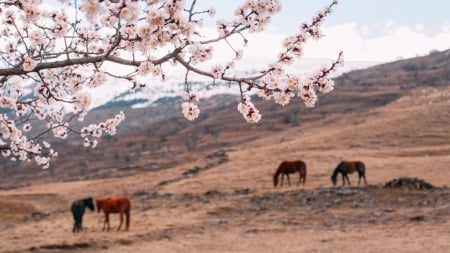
{"x": 119, "y": 93}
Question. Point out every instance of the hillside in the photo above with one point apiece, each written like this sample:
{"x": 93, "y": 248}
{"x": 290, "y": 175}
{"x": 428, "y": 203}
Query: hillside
{"x": 159, "y": 137}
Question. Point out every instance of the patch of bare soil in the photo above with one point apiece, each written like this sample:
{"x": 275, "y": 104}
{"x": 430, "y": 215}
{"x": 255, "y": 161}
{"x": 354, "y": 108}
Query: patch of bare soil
{"x": 409, "y": 183}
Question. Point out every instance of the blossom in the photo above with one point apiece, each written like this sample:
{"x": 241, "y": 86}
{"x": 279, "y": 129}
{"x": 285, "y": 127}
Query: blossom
{"x": 189, "y": 96}
{"x": 28, "y": 64}
{"x": 98, "y": 79}
{"x": 327, "y": 86}
{"x": 282, "y": 98}
{"x": 217, "y": 71}
{"x": 200, "y": 53}
{"x": 190, "y": 110}
{"x": 81, "y": 103}
{"x": 129, "y": 13}
{"x": 27, "y": 127}
{"x": 90, "y": 143}
{"x": 91, "y": 9}
{"x": 249, "y": 111}
{"x": 43, "y": 161}
{"x": 37, "y": 37}
{"x": 212, "y": 11}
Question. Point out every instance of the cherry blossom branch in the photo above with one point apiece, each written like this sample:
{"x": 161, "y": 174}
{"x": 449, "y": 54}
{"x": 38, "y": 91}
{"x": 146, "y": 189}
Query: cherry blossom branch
{"x": 58, "y": 55}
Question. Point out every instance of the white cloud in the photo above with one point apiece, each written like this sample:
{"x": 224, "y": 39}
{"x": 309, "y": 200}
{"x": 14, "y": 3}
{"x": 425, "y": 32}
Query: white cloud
{"x": 446, "y": 27}
{"x": 401, "y": 41}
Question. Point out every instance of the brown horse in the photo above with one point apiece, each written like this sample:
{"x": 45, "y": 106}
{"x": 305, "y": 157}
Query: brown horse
{"x": 290, "y": 167}
{"x": 119, "y": 205}
{"x": 346, "y": 167}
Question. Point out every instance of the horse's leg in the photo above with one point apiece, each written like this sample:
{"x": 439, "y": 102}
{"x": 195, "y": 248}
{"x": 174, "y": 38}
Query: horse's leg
{"x": 81, "y": 220}
{"x": 107, "y": 221}
{"x": 121, "y": 220}
{"x": 363, "y": 174}
{"x": 74, "y": 222}
{"x": 299, "y": 178}
{"x": 282, "y": 178}
{"x": 289, "y": 181}
{"x": 104, "y": 224}
{"x": 348, "y": 180}
{"x": 127, "y": 215}
{"x": 80, "y": 223}
{"x": 343, "y": 179}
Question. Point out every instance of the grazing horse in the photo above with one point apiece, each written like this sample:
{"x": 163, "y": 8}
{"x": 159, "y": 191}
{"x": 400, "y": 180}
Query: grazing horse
{"x": 290, "y": 167}
{"x": 119, "y": 205}
{"x": 78, "y": 211}
{"x": 346, "y": 167}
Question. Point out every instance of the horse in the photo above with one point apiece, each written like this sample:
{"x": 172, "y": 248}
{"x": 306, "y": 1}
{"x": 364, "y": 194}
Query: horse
{"x": 290, "y": 167}
{"x": 346, "y": 167}
{"x": 119, "y": 205}
{"x": 77, "y": 209}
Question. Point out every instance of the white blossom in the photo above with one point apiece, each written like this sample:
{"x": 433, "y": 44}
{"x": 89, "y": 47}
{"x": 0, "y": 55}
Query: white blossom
{"x": 190, "y": 110}
{"x": 28, "y": 64}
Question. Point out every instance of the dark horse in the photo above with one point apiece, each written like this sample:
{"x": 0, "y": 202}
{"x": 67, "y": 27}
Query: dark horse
{"x": 78, "y": 211}
{"x": 290, "y": 167}
{"x": 346, "y": 167}
{"x": 119, "y": 205}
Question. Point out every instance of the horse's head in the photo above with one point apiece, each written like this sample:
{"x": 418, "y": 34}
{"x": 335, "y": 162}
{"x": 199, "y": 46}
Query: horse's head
{"x": 90, "y": 203}
{"x": 275, "y": 180}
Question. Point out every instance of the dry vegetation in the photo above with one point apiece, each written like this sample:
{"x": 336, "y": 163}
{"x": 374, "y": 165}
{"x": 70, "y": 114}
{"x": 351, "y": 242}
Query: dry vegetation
{"x": 207, "y": 187}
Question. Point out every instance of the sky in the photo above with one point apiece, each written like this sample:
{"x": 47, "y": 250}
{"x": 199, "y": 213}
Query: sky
{"x": 369, "y": 32}
{"x": 366, "y": 30}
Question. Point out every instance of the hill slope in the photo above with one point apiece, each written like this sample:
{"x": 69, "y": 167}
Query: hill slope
{"x": 401, "y": 104}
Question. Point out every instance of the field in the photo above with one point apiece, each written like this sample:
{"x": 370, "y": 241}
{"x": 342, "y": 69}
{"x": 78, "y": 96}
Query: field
{"x": 215, "y": 211}
{"x": 218, "y": 195}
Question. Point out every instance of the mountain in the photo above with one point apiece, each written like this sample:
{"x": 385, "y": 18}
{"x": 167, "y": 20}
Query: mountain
{"x": 160, "y": 92}
{"x": 395, "y": 109}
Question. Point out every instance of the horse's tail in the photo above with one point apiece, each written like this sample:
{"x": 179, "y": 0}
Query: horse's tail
{"x": 361, "y": 168}
{"x": 301, "y": 167}
{"x": 363, "y": 171}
